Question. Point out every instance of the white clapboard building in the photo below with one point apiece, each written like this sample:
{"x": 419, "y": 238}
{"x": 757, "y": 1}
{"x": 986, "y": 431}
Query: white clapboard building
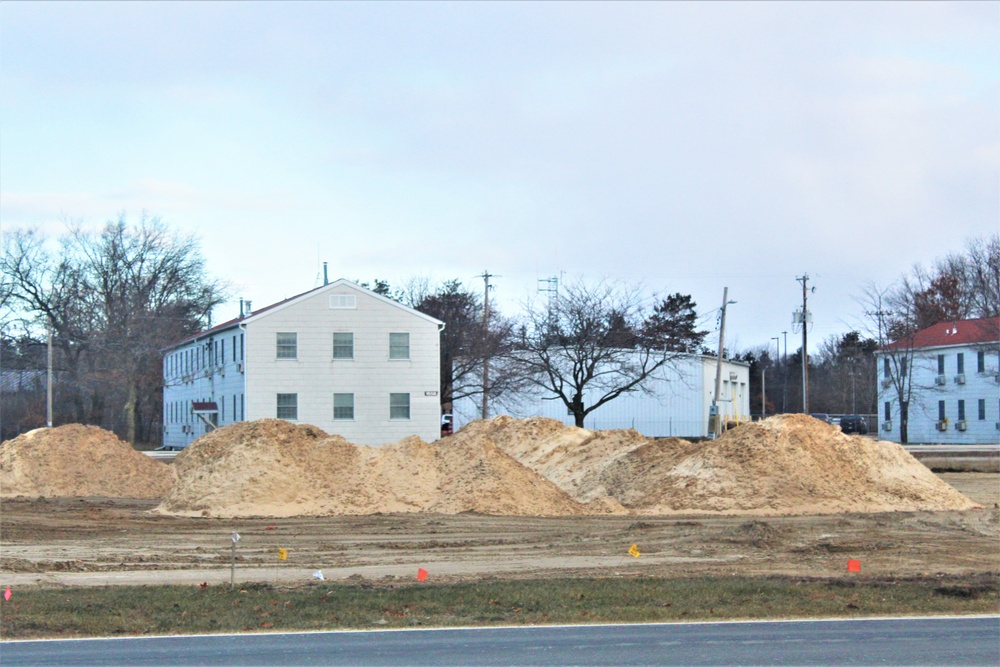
{"x": 340, "y": 357}
{"x": 951, "y": 377}
{"x": 676, "y": 405}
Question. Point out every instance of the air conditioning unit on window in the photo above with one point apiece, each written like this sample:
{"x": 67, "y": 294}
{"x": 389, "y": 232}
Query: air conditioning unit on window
{"x": 940, "y": 379}
{"x": 960, "y": 379}
{"x": 942, "y": 426}
{"x": 239, "y": 366}
{"x": 186, "y": 428}
{"x": 887, "y": 426}
{"x": 961, "y": 425}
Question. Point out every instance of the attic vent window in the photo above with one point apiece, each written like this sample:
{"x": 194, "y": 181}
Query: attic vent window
{"x": 343, "y": 301}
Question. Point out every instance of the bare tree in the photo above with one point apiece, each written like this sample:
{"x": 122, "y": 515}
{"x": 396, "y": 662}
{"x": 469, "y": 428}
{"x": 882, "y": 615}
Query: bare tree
{"x": 465, "y": 345}
{"x": 890, "y": 317}
{"x": 978, "y": 271}
{"x": 960, "y": 286}
{"x": 594, "y": 343}
{"x": 112, "y": 299}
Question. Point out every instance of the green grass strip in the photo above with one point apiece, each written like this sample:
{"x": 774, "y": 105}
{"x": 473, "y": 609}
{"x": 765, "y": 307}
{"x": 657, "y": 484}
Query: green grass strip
{"x": 159, "y": 610}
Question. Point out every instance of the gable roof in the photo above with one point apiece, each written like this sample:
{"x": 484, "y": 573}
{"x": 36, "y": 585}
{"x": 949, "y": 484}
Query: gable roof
{"x": 951, "y": 334}
{"x": 274, "y": 307}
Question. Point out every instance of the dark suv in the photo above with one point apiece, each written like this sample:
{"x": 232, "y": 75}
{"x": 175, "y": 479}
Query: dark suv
{"x": 854, "y": 424}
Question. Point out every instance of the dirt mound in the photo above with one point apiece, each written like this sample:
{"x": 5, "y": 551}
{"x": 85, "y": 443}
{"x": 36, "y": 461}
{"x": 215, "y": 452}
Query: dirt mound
{"x": 273, "y": 468}
{"x": 789, "y": 464}
{"x": 77, "y": 460}
{"x": 793, "y": 464}
{"x": 572, "y": 458}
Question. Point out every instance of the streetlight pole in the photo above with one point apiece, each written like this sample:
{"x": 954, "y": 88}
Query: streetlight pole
{"x": 777, "y": 358}
{"x": 784, "y": 375}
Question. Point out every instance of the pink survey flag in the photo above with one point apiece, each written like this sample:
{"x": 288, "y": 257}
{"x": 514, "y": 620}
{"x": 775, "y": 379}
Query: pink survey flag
{"x": 421, "y": 574}
{"x": 853, "y": 566}
{"x": 7, "y": 594}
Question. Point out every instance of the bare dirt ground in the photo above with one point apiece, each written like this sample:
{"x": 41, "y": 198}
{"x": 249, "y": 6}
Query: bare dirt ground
{"x": 71, "y": 541}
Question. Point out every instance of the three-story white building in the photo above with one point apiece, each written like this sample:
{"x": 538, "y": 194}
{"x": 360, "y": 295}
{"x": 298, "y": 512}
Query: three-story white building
{"x": 949, "y": 374}
{"x": 340, "y": 357}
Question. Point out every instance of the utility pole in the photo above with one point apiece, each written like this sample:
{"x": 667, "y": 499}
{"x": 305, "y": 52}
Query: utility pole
{"x": 763, "y": 393}
{"x": 1, "y": 379}
{"x": 486, "y": 333}
{"x": 804, "y": 279}
{"x": 48, "y": 382}
{"x": 714, "y": 419}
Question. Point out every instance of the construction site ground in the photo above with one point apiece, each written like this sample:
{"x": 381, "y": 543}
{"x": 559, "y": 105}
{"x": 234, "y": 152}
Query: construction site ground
{"x": 91, "y": 541}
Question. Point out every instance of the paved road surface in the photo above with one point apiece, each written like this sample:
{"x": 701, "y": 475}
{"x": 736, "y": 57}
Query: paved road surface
{"x": 925, "y": 641}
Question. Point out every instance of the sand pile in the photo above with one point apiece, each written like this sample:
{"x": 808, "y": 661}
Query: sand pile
{"x": 271, "y": 467}
{"x": 77, "y": 460}
{"x": 572, "y": 458}
{"x": 789, "y": 464}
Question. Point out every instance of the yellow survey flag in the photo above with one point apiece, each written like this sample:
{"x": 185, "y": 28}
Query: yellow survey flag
{"x": 634, "y": 550}
{"x": 282, "y": 554}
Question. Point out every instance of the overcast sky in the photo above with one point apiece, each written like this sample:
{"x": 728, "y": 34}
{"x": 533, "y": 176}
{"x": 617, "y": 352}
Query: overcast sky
{"x": 687, "y": 146}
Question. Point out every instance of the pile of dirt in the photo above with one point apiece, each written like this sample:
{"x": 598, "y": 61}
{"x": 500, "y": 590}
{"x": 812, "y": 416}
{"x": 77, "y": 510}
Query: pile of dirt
{"x": 271, "y": 467}
{"x": 788, "y": 464}
{"x": 77, "y": 460}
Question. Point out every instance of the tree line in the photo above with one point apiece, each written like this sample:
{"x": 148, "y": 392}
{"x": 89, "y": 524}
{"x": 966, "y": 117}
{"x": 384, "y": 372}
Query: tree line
{"x": 112, "y": 299}
{"x": 109, "y": 301}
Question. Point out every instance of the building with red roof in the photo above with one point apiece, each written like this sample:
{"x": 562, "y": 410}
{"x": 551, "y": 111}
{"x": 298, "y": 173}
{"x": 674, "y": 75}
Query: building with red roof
{"x": 944, "y": 382}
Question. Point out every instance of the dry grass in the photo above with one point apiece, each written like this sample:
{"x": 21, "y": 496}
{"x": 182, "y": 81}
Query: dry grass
{"x": 159, "y": 610}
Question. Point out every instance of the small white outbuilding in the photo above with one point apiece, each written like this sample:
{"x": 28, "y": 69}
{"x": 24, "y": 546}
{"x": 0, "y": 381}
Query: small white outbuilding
{"x": 677, "y": 402}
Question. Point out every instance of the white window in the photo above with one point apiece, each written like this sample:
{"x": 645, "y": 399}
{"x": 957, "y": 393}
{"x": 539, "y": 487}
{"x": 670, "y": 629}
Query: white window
{"x": 343, "y": 345}
{"x": 399, "y": 346}
{"x": 288, "y": 406}
{"x": 399, "y": 406}
{"x": 343, "y": 406}
{"x": 288, "y": 346}
{"x": 343, "y": 301}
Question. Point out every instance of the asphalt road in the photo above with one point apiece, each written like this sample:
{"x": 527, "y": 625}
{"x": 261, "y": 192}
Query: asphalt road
{"x": 913, "y": 641}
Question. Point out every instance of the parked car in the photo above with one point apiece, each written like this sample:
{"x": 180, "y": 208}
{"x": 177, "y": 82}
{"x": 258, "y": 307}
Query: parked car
{"x": 854, "y": 424}
{"x": 447, "y": 424}
{"x": 822, "y": 416}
